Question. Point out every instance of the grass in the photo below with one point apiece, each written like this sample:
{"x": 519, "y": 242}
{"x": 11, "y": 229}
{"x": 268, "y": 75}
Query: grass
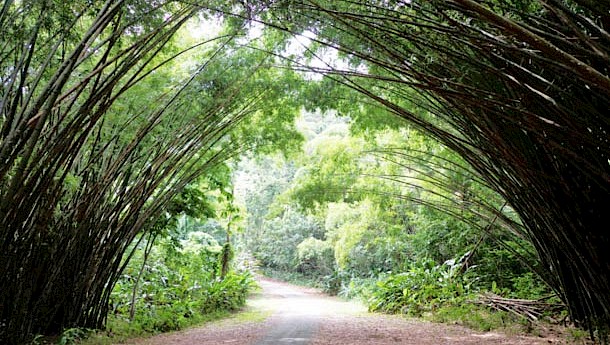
{"x": 120, "y": 330}
{"x": 578, "y": 336}
{"x": 481, "y": 319}
{"x": 474, "y": 317}
{"x": 250, "y": 315}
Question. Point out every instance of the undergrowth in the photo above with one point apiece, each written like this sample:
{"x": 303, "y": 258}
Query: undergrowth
{"x": 438, "y": 293}
{"x": 170, "y": 287}
{"x": 295, "y": 278}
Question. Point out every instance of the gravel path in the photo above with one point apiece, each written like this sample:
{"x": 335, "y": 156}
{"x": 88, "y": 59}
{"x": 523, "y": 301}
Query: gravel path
{"x": 300, "y": 315}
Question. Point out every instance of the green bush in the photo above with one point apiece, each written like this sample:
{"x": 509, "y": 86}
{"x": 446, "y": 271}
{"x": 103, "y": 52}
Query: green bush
{"x": 73, "y": 336}
{"x": 227, "y": 294}
{"x": 529, "y": 286}
{"x": 424, "y": 287}
{"x": 315, "y": 257}
{"x": 358, "y": 288}
{"x": 178, "y": 286}
{"x": 333, "y": 283}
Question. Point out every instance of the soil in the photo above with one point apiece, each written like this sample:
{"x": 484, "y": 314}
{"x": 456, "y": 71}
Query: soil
{"x": 295, "y": 315}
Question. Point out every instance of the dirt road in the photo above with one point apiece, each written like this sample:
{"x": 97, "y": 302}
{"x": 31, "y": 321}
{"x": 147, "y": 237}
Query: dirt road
{"x": 299, "y": 313}
{"x": 296, "y": 315}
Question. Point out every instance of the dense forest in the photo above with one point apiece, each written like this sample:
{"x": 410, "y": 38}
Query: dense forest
{"x": 420, "y": 155}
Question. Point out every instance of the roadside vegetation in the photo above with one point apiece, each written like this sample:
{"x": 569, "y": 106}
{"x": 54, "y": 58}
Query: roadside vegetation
{"x": 180, "y": 275}
{"x": 408, "y": 233}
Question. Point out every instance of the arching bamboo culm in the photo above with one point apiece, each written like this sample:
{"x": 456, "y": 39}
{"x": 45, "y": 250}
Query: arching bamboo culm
{"x": 520, "y": 90}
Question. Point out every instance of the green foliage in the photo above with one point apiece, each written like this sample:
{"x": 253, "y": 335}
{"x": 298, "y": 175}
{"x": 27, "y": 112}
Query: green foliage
{"x": 225, "y": 258}
{"x": 348, "y": 285}
{"x": 289, "y": 229}
{"x": 358, "y": 288}
{"x": 72, "y": 336}
{"x": 529, "y": 286}
{"x": 334, "y": 282}
{"x": 473, "y": 316}
{"x": 227, "y": 294}
{"x": 293, "y": 277}
{"x": 424, "y": 287}
{"x": 179, "y": 285}
{"x": 499, "y": 257}
{"x": 384, "y": 202}
{"x": 315, "y": 257}
{"x": 360, "y": 233}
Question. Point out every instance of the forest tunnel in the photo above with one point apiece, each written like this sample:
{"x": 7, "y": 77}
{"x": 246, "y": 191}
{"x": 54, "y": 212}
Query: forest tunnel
{"x": 473, "y": 120}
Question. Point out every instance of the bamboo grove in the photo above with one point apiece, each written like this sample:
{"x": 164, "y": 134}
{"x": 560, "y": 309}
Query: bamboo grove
{"x": 92, "y": 155}
{"x": 97, "y": 139}
{"x": 519, "y": 89}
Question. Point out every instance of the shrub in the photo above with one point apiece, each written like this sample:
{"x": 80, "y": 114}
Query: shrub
{"x": 423, "y": 287}
{"x": 358, "y": 288}
{"x": 315, "y": 257}
{"x": 529, "y": 286}
{"x": 227, "y": 294}
{"x": 178, "y": 287}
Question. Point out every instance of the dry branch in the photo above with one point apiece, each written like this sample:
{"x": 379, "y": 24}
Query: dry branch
{"x": 532, "y": 310}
